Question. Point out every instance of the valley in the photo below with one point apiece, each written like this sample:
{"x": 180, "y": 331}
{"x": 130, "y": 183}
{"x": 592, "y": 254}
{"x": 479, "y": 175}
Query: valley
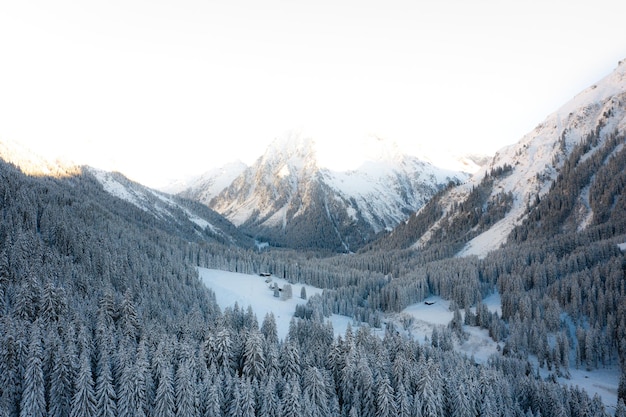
{"x": 427, "y": 291}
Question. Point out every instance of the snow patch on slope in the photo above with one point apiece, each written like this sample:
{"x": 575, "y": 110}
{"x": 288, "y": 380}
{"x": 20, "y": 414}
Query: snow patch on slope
{"x": 115, "y": 188}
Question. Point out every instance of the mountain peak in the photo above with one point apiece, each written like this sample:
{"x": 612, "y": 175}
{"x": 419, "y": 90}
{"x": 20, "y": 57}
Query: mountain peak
{"x": 335, "y": 151}
{"x": 328, "y": 191}
{"x": 294, "y": 143}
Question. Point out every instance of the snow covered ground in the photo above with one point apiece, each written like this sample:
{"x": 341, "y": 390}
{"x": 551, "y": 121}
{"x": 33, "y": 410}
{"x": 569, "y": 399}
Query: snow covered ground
{"x": 602, "y": 381}
{"x": 252, "y": 290}
{"x": 435, "y": 311}
{"x": 417, "y": 320}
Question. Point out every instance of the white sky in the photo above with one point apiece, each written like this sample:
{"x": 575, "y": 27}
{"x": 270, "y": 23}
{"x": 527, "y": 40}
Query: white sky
{"x": 163, "y": 89}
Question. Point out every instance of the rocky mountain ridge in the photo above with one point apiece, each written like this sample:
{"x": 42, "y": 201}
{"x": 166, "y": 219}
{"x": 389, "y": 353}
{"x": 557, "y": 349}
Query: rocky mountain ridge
{"x": 296, "y": 194}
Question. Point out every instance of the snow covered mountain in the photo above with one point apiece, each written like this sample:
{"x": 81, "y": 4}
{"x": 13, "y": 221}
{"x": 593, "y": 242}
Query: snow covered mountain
{"x": 208, "y": 185}
{"x": 189, "y": 216}
{"x": 183, "y": 217}
{"x": 298, "y": 195}
{"x": 566, "y": 161}
{"x": 30, "y": 162}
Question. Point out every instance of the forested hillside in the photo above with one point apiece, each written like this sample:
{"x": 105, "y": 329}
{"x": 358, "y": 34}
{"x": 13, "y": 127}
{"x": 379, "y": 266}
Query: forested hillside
{"x": 103, "y": 315}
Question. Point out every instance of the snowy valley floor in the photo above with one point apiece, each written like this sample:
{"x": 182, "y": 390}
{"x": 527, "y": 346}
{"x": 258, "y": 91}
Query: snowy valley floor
{"x": 252, "y": 290}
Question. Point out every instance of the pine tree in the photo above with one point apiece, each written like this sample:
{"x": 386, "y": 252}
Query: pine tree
{"x": 213, "y": 403}
{"x": 417, "y": 406}
{"x": 429, "y": 388}
{"x": 461, "y": 402}
{"x": 164, "y": 398}
{"x": 366, "y": 386}
{"x": 60, "y": 397}
{"x": 315, "y": 393}
{"x": 246, "y": 398}
{"x": 270, "y": 404}
{"x": 250, "y": 321}
{"x": 253, "y": 358}
{"x": 106, "y": 398}
{"x": 33, "y": 402}
{"x": 125, "y": 381}
{"x": 84, "y": 402}
{"x": 28, "y": 298}
{"x": 185, "y": 390}
{"x": 403, "y": 401}
{"x": 223, "y": 350}
{"x": 355, "y": 404}
{"x": 53, "y": 303}
{"x": 289, "y": 360}
{"x": 621, "y": 388}
{"x": 291, "y": 403}
{"x": 488, "y": 405}
{"x": 272, "y": 364}
{"x": 268, "y": 328}
{"x": 287, "y": 292}
{"x": 620, "y": 410}
{"x": 385, "y": 404}
{"x": 234, "y": 407}
{"x": 129, "y": 319}
{"x": 144, "y": 391}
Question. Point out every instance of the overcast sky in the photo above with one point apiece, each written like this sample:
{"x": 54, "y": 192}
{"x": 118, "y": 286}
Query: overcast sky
{"x": 163, "y": 89}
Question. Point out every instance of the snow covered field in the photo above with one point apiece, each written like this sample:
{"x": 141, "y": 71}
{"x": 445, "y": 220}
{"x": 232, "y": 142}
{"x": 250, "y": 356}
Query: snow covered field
{"x": 252, "y": 290}
{"x": 435, "y": 311}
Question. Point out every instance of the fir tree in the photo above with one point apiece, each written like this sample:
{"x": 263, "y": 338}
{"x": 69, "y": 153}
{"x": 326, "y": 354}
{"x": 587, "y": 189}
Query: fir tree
{"x": 106, "y": 399}
{"x": 403, "y": 402}
{"x": 270, "y": 403}
{"x": 268, "y": 328}
{"x": 620, "y": 410}
{"x": 385, "y": 401}
{"x": 213, "y": 403}
{"x": 291, "y": 403}
{"x": 253, "y": 358}
{"x": 33, "y": 398}
{"x": 83, "y": 402}
{"x": 185, "y": 390}
{"x": 246, "y": 399}
{"x": 61, "y": 393}
{"x": 164, "y": 398}
{"x": 315, "y": 393}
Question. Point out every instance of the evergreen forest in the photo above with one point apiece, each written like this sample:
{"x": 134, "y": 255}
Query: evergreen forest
{"x": 102, "y": 312}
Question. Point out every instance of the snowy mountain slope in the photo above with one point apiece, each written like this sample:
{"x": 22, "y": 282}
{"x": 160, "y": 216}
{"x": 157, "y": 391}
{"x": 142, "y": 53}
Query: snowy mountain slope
{"x": 184, "y": 214}
{"x": 30, "y": 162}
{"x": 539, "y": 156}
{"x": 297, "y": 194}
{"x": 521, "y": 175}
{"x": 208, "y": 185}
{"x": 176, "y": 215}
